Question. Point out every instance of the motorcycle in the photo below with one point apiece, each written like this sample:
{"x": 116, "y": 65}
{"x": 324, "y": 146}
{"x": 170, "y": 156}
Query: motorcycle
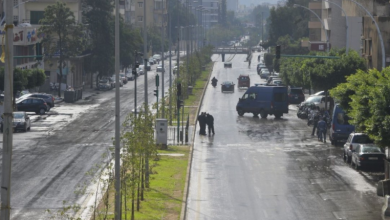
{"x": 214, "y": 83}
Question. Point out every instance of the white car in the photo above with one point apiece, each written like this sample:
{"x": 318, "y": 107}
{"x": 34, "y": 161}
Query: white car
{"x": 160, "y": 69}
{"x": 264, "y": 73}
{"x": 157, "y": 57}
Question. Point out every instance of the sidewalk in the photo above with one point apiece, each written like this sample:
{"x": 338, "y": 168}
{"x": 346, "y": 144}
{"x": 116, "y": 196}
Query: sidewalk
{"x": 87, "y": 92}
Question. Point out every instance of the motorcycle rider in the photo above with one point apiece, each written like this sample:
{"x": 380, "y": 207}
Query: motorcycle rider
{"x": 214, "y": 81}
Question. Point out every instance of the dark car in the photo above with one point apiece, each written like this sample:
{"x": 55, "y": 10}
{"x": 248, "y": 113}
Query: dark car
{"x": 30, "y": 104}
{"x": 49, "y": 99}
{"x": 295, "y": 95}
{"x": 244, "y": 81}
{"x": 368, "y": 155}
{"x": 227, "y": 86}
{"x": 104, "y": 84}
{"x": 20, "y": 121}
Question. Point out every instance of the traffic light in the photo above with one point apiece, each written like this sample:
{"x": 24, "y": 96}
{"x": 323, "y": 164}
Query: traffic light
{"x": 156, "y": 92}
{"x": 180, "y": 103}
{"x": 179, "y": 89}
{"x": 157, "y": 80}
{"x": 277, "y": 50}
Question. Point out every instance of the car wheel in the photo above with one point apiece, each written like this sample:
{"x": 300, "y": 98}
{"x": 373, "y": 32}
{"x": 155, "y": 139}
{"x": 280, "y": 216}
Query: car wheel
{"x": 240, "y": 112}
{"x": 42, "y": 111}
{"x": 333, "y": 142}
{"x": 263, "y": 114}
{"x": 278, "y": 116}
{"x": 344, "y": 157}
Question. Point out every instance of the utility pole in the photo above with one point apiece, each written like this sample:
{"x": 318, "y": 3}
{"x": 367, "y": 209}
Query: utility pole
{"x": 262, "y": 35}
{"x": 7, "y": 116}
{"x": 170, "y": 68}
{"x": 146, "y": 89}
{"x": 163, "y": 58}
{"x": 117, "y": 119}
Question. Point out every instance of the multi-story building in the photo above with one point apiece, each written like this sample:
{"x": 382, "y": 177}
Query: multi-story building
{"x": 317, "y": 37}
{"x": 370, "y": 40}
{"x": 26, "y": 18}
{"x": 335, "y": 23}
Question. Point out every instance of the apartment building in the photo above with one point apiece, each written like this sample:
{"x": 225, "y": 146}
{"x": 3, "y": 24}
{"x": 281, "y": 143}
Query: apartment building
{"x": 317, "y": 37}
{"x": 371, "y": 47}
{"x": 27, "y": 14}
{"x": 336, "y": 26}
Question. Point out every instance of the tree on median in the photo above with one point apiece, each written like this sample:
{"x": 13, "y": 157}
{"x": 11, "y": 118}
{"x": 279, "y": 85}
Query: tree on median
{"x": 63, "y": 37}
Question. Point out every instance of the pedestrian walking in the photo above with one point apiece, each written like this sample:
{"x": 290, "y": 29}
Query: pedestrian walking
{"x": 210, "y": 123}
{"x": 258, "y": 58}
{"x": 322, "y": 127}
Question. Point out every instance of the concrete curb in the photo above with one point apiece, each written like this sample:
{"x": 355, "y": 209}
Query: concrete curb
{"x": 183, "y": 211}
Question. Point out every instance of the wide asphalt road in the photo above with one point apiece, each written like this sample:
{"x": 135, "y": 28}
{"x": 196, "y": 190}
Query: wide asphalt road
{"x": 56, "y": 161}
{"x": 255, "y": 168}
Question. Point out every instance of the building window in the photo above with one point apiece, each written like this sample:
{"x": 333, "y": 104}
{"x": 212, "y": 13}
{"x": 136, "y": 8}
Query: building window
{"x": 16, "y": 18}
{"x": 140, "y": 18}
{"x": 370, "y": 47}
{"x": 16, "y": 2}
{"x": 35, "y": 16}
{"x": 140, "y": 4}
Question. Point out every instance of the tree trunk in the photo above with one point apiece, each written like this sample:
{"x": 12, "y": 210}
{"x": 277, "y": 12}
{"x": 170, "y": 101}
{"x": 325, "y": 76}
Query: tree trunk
{"x": 125, "y": 200}
{"x": 132, "y": 197}
{"x": 142, "y": 180}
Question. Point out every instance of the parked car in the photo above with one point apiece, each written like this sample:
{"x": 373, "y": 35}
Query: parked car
{"x": 264, "y": 100}
{"x": 367, "y": 155}
{"x": 30, "y": 104}
{"x": 104, "y": 84}
{"x": 340, "y": 129}
{"x": 295, "y": 95}
{"x": 227, "y": 86}
{"x": 120, "y": 81}
{"x": 264, "y": 73}
{"x": 49, "y": 99}
{"x": 271, "y": 78}
{"x": 322, "y": 93}
{"x": 157, "y": 57}
{"x": 244, "y": 81}
{"x": 160, "y": 69}
{"x": 151, "y": 61}
{"x": 123, "y": 77}
{"x": 353, "y": 141}
{"x": 140, "y": 70}
{"x": 312, "y": 100}
{"x": 276, "y": 82}
{"x": 260, "y": 67}
{"x": 20, "y": 121}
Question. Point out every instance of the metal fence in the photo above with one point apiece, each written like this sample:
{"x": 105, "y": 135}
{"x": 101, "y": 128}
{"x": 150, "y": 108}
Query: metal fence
{"x": 181, "y": 135}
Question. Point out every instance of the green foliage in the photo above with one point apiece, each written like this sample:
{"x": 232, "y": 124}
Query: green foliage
{"x": 62, "y": 35}
{"x": 35, "y": 78}
{"x": 154, "y": 39}
{"x": 24, "y": 79}
{"x": 366, "y": 99}
{"x": 218, "y": 34}
{"x": 268, "y": 60}
{"x": 179, "y": 16}
{"x": 291, "y": 46}
{"x": 287, "y": 20}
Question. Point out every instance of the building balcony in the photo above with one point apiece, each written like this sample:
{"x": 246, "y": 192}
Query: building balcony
{"x": 315, "y": 5}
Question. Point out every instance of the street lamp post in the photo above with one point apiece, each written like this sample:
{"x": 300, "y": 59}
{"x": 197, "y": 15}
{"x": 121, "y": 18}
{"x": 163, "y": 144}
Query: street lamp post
{"x": 323, "y": 25}
{"x": 346, "y": 24}
{"x": 379, "y": 33}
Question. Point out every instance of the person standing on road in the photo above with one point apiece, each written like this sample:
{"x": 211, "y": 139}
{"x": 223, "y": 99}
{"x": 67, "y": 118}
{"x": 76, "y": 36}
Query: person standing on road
{"x": 316, "y": 118}
{"x": 322, "y": 130}
{"x": 210, "y": 123}
{"x": 258, "y": 58}
{"x": 202, "y": 123}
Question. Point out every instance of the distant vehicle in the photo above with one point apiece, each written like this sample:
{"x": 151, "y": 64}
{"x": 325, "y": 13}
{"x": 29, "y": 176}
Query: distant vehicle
{"x": 157, "y": 57}
{"x": 271, "y": 78}
{"x": 160, "y": 69}
{"x": 264, "y": 73}
{"x": 260, "y": 66}
{"x": 322, "y": 93}
{"x": 123, "y": 77}
{"x": 295, "y": 95}
{"x": 29, "y": 104}
{"x": 264, "y": 100}
{"x": 312, "y": 100}
{"x": 152, "y": 61}
{"x": 104, "y": 84}
{"x": 140, "y": 70}
{"x": 174, "y": 69}
{"x": 277, "y": 82}
{"x": 120, "y": 81}
{"x": 227, "y": 65}
{"x": 227, "y": 86}
{"x": 20, "y": 121}
{"x": 353, "y": 141}
{"x": 366, "y": 155}
{"x": 244, "y": 81}
{"x": 49, "y": 99}
{"x": 340, "y": 129}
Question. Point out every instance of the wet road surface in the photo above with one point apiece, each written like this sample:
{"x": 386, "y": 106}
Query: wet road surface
{"x": 65, "y": 149}
{"x": 255, "y": 168}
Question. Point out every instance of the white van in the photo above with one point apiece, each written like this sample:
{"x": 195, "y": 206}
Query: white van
{"x": 157, "y": 57}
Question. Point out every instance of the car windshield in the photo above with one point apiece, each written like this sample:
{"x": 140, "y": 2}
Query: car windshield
{"x": 18, "y": 115}
{"x": 363, "y": 139}
{"x": 122, "y": 75}
{"x": 314, "y": 99}
{"x": 102, "y": 81}
{"x": 227, "y": 83}
{"x": 371, "y": 149}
